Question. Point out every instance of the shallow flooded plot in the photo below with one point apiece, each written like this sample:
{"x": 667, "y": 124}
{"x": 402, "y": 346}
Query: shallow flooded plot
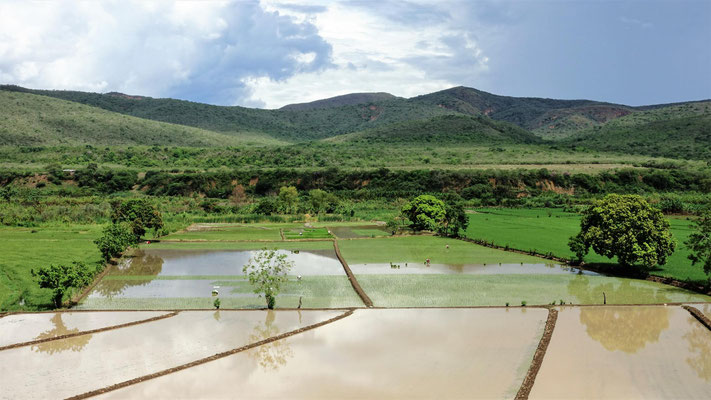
{"x": 20, "y": 328}
{"x": 68, "y": 367}
{"x": 171, "y": 262}
{"x": 626, "y": 353}
{"x": 228, "y": 232}
{"x": 183, "y": 292}
{"x": 418, "y": 290}
{"x": 357, "y": 232}
{"x": 403, "y": 268}
{"x": 377, "y": 354}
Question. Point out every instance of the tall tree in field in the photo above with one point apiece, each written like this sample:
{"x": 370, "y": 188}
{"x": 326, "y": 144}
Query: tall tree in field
{"x": 140, "y": 214}
{"x": 289, "y": 199}
{"x": 699, "y": 242}
{"x": 61, "y": 278}
{"x": 267, "y": 271}
{"x": 626, "y": 227}
{"x": 425, "y": 212}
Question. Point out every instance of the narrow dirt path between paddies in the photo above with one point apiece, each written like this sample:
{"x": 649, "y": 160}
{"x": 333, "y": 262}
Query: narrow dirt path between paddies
{"x": 354, "y": 282}
{"x": 211, "y": 358}
{"x": 530, "y": 378}
{"x": 699, "y": 316}
{"x": 89, "y": 332}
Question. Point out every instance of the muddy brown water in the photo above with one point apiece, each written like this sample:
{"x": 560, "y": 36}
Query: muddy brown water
{"x": 159, "y": 262}
{"x": 373, "y": 354}
{"x": 69, "y": 367}
{"x": 21, "y": 328}
{"x": 483, "y": 269}
{"x": 626, "y": 353}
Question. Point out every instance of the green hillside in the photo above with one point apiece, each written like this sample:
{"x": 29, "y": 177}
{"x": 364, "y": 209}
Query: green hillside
{"x": 29, "y": 119}
{"x": 291, "y": 125}
{"x": 526, "y": 112}
{"x": 338, "y": 101}
{"x": 445, "y": 129}
{"x": 686, "y": 137}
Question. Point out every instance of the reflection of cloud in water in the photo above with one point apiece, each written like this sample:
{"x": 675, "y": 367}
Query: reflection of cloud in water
{"x": 76, "y": 343}
{"x": 699, "y": 339}
{"x": 627, "y": 329}
{"x": 270, "y": 356}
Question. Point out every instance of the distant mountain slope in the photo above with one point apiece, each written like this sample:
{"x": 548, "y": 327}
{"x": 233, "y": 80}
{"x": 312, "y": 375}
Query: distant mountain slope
{"x": 29, "y": 119}
{"x": 545, "y": 117}
{"x": 678, "y": 131}
{"x": 549, "y": 119}
{"x": 453, "y": 128}
{"x": 292, "y": 125}
{"x": 338, "y": 101}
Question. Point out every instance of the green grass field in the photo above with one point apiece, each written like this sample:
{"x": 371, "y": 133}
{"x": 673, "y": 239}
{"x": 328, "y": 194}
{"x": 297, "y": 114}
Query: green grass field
{"x": 228, "y": 232}
{"x": 416, "y": 249}
{"x": 548, "y": 230}
{"x": 22, "y": 250}
{"x": 307, "y": 233}
{"x": 497, "y": 290}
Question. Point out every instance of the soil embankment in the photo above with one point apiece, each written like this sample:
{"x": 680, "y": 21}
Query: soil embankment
{"x": 354, "y": 282}
{"x": 530, "y": 378}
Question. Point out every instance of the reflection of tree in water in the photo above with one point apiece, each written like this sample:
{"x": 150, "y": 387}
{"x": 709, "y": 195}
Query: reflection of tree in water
{"x": 270, "y": 356}
{"x": 140, "y": 263}
{"x": 627, "y": 329}
{"x": 76, "y": 343}
{"x": 617, "y": 291}
{"x": 699, "y": 339}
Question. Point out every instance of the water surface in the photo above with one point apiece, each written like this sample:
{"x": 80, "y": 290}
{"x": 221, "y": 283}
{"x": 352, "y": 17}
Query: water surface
{"x": 69, "y": 367}
{"x": 626, "y": 353}
{"x": 374, "y": 354}
{"x": 485, "y": 269}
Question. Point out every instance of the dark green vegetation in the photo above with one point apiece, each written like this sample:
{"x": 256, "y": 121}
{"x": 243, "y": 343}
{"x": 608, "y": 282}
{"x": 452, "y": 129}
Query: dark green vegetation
{"x": 63, "y": 278}
{"x": 546, "y": 231}
{"x": 699, "y": 242}
{"x": 626, "y": 227}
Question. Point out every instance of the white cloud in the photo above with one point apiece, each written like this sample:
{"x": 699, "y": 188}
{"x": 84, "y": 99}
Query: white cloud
{"x": 195, "y": 50}
{"x": 406, "y": 49}
{"x": 267, "y": 53}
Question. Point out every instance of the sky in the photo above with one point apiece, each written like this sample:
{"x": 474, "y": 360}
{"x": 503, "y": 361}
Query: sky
{"x": 270, "y": 53}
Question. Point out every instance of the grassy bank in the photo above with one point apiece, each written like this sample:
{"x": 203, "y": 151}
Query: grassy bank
{"x": 548, "y": 230}
{"x": 25, "y": 249}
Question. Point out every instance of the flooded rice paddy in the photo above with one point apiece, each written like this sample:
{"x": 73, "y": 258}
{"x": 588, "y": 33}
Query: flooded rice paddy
{"x": 358, "y": 232}
{"x": 19, "y": 328}
{"x": 442, "y": 353}
{"x": 186, "y": 278}
{"x": 626, "y": 353}
{"x": 482, "y": 269}
{"x": 163, "y": 262}
{"x": 68, "y": 367}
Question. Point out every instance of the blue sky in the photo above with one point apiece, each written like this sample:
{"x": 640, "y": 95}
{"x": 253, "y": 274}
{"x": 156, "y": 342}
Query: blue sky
{"x": 270, "y": 53}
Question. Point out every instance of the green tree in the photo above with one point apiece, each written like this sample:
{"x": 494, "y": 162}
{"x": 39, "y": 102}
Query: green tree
{"x": 115, "y": 239}
{"x": 61, "y": 278}
{"x": 140, "y": 214}
{"x": 267, "y": 271}
{"x": 455, "y": 220}
{"x": 320, "y": 200}
{"x": 626, "y": 227}
{"x": 425, "y": 212}
{"x": 699, "y": 242}
{"x": 288, "y": 199}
